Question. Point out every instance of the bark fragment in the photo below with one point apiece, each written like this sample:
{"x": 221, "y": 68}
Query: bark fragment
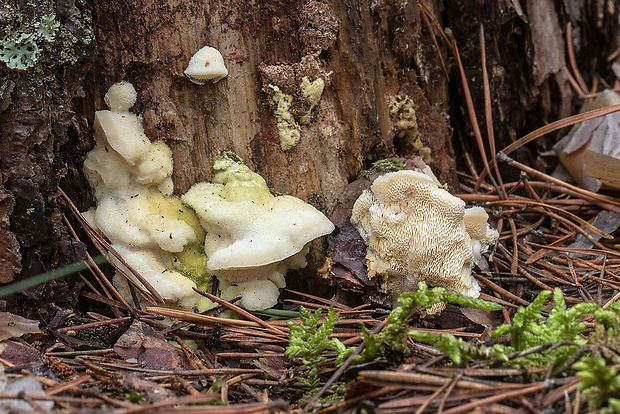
{"x": 10, "y": 259}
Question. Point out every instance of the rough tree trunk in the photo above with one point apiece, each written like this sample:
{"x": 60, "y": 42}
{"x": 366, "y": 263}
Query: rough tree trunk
{"x": 368, "y": 52}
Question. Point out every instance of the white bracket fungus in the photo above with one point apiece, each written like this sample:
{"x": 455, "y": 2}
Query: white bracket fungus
{"x": 252, "y": 238}
{"x": 132, "y": 181}
{"x": 206, "y": 65}
{"x": 416, "y": 231}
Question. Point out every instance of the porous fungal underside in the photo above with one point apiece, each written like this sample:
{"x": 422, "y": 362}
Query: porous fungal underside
{"x": 415, "y": 231}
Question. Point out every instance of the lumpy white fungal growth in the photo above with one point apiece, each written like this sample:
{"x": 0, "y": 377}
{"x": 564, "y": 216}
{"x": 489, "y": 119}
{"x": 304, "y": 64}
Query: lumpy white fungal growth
{"x": 132, "y": 183}
{"x": 253, "y": 238}
{"x": 121, "y": 96}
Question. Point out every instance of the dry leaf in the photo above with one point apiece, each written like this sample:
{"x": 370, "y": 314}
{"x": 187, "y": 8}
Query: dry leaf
{"x": 598, "y": 136}
{"x": 149, "y": 349}
{"x": 14, "y": 326}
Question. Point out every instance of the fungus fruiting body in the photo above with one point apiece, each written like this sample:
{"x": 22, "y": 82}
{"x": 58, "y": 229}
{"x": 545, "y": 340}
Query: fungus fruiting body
{"x": 251, "y": 238}
{"x": 131, "y": 178}
{"x": 252, "y": 235}
{"x": 312, "y": 91}
{"x": 416, "y": 231}
{"x": 206, "y": 65}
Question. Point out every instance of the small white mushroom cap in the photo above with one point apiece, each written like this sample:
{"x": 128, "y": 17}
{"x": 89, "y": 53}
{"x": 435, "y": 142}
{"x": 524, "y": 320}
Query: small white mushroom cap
{"x": 255, "y": 294}
{"x": 121, "y": 96}
{"x": 206, "y": 65}
{"x": 415, "y": 231}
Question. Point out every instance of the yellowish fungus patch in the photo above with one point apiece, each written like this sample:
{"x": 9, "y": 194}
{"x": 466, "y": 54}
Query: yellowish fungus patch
{"x": 288, "y": 129}
{"x": 402, "y": 112}
{"x": 312, "y": 91}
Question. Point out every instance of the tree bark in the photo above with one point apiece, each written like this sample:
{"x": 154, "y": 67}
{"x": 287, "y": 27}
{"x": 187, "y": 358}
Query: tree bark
{"x": 370, "y": 53}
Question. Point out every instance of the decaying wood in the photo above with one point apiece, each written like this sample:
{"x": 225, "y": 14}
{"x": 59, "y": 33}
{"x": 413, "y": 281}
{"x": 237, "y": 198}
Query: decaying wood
{"x": 361, "y": 52}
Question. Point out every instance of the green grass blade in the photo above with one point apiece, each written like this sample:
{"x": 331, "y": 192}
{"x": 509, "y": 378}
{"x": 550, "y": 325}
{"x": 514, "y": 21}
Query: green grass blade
{"x": 48, "y": 276}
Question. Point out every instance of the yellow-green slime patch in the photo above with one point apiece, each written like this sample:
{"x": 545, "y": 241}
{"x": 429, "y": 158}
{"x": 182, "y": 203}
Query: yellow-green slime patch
{"x": 402, "y": 112}
{"x": 312, "y": 91}
{"x": 240, "y": 183}
{"x": 192, "y": 263}
{"x": 288, "y": 128}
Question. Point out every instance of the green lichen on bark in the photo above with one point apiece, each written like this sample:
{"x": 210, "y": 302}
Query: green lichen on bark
{"x": 34, "y": 38}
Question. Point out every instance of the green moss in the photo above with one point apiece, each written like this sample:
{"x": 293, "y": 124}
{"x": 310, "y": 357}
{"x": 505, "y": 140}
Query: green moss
{"x": 240, "y": 183}
{"x": 600, "y": 384}
{"x": 289, "y": 131}
{"x": 312, "y": 91}
{"x": 309, "y": 340}
{"x": 387, "y": 164}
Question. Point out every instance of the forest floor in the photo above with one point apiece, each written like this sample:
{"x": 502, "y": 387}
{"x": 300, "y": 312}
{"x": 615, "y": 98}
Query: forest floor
{"x": 214, "y": 363}
{"x": 544, "y": 340}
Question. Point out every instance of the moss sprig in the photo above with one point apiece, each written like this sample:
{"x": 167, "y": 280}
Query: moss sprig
{"x": 309, "y": 340}
{"x": 393, "y": 335}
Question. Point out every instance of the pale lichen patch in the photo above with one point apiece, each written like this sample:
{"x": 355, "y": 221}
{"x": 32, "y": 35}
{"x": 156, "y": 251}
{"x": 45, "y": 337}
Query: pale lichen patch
{"x": 21, "y": 53}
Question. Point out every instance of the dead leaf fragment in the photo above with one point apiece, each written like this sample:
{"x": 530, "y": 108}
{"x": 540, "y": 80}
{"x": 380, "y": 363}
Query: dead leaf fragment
{"x": 599, "y": 136}
{"x": 142, "y": 344}
{"x": 152, "y": 391}
{"x": 14, "y": 326}
{"x": 10, "y": 258}
{"x": 18, "y": 353}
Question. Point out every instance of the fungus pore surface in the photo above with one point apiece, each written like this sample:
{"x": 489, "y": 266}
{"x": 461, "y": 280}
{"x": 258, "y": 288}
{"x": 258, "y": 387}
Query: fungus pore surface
{"x": 416, "y": 231}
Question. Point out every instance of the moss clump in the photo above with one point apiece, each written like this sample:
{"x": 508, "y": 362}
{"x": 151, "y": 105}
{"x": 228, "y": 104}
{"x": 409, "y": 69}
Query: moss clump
{"x": 288, "y": 129}
{"x": 309, "y": 341}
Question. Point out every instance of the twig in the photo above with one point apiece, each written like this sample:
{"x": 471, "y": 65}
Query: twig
{"x": 495, "y": 398}
{"x": 505, "y": 158}
{"x": 342, "y": 368}
{"x": 241, "y": 312}
{"x": 554, "y": 126}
